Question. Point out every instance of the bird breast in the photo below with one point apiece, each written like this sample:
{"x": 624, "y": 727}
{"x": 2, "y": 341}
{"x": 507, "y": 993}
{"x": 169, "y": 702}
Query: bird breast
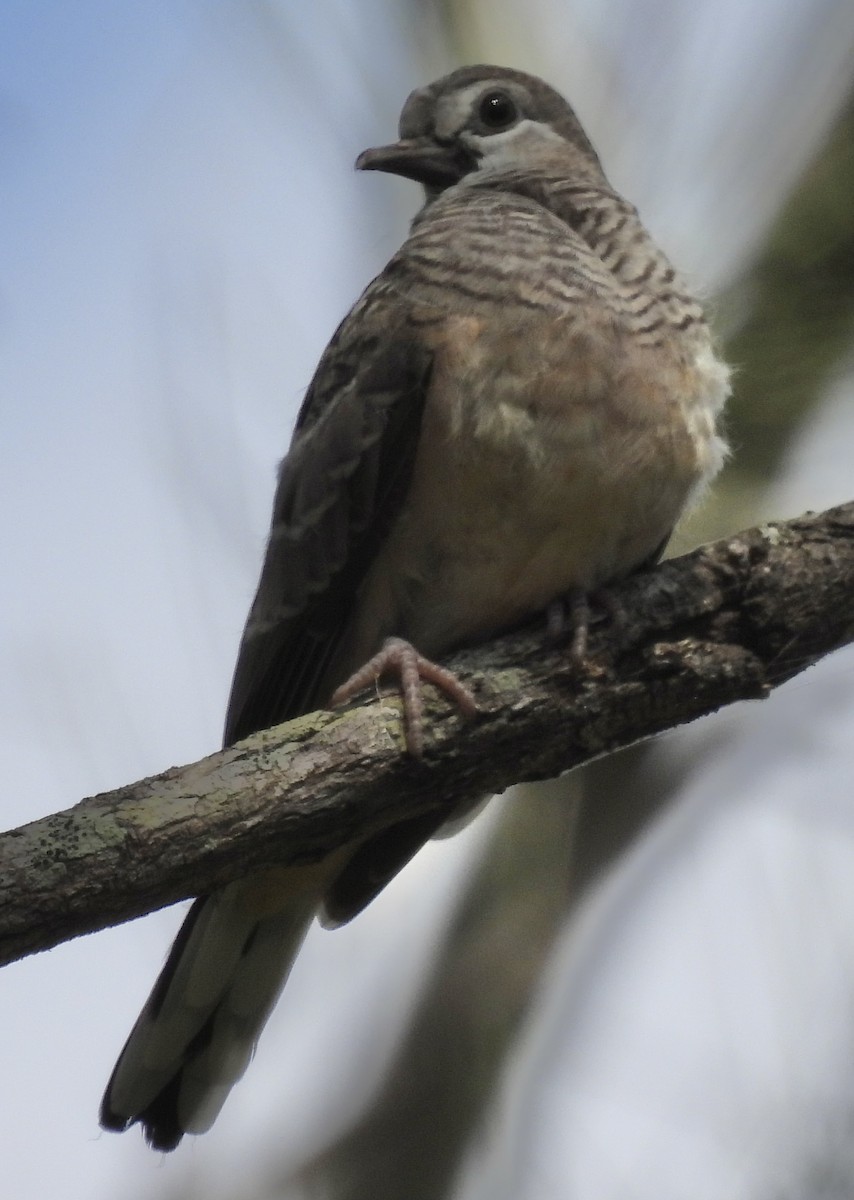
{"x": 554, "y": 455}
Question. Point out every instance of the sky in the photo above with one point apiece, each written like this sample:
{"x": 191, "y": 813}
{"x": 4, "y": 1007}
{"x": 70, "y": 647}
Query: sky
{"x": 182, "y": 231}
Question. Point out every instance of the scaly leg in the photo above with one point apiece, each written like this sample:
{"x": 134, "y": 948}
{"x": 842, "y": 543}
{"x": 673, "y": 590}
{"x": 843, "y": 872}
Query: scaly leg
{"x": 570, "y": 616}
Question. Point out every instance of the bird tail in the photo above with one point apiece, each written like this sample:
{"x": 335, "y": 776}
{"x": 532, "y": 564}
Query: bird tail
{"x": 198, "y": 1029}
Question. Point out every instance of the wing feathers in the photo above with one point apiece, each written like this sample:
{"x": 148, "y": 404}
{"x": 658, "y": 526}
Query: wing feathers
{"x": 340, "y": 490}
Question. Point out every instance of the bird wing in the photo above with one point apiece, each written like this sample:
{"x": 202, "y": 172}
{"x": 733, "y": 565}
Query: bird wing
{"x": 340, "y": 488}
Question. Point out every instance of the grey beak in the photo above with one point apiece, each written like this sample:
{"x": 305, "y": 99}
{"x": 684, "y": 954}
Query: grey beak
{"x": 422, "y": 159}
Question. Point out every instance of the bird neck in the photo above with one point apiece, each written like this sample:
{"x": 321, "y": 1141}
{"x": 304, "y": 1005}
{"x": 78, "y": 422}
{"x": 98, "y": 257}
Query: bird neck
{"x": 608, "y": 224}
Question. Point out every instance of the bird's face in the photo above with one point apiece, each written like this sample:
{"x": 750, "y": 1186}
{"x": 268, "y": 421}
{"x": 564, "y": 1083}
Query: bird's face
{"x": 478, "y": 120}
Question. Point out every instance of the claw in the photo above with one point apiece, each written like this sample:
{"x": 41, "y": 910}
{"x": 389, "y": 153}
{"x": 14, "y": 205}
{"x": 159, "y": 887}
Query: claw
{"x": 571, "y": 615}
{"x": 411, "y": 668}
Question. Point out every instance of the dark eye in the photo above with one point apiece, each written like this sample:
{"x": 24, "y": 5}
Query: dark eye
{"x": 497, "y": 111}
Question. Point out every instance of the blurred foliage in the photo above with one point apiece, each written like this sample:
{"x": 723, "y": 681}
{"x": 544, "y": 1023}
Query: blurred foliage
{"x": 790, "y": 319}
{"x": 413, "y": 1137}
{"x": 798, "y": 309}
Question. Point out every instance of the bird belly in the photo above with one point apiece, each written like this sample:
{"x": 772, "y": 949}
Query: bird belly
{"x": 523, "y": 494}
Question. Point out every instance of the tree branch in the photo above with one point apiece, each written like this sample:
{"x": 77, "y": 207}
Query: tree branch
{"x": 728, "y": 622}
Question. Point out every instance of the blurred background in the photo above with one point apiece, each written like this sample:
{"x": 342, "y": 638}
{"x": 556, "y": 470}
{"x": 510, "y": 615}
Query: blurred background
{"x": 637, "y": 982}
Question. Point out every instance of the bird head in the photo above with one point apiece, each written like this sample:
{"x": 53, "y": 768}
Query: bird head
{"x": 484, "y": 119}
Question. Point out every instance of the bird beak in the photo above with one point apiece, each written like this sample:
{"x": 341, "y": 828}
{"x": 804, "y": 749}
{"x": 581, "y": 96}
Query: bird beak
{"x": 422, "y": 159}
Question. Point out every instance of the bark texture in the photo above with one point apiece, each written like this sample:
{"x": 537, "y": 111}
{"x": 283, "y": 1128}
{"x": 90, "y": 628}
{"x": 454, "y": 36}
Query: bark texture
{"x": 728, "y": 622}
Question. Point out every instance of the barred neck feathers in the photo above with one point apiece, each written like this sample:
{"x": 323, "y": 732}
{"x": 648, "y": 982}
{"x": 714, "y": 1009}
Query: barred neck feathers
{"x": 652, "y": 292}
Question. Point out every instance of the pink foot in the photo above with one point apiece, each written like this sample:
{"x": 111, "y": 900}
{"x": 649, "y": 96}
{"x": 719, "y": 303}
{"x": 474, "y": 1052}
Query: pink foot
{"x": 411, "y": 667}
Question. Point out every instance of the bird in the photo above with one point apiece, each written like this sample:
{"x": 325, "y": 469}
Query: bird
{"x": 512, "y": 417}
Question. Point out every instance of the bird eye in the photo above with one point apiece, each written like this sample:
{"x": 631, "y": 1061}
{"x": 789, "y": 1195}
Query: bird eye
{"x": 497, "y": 111}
